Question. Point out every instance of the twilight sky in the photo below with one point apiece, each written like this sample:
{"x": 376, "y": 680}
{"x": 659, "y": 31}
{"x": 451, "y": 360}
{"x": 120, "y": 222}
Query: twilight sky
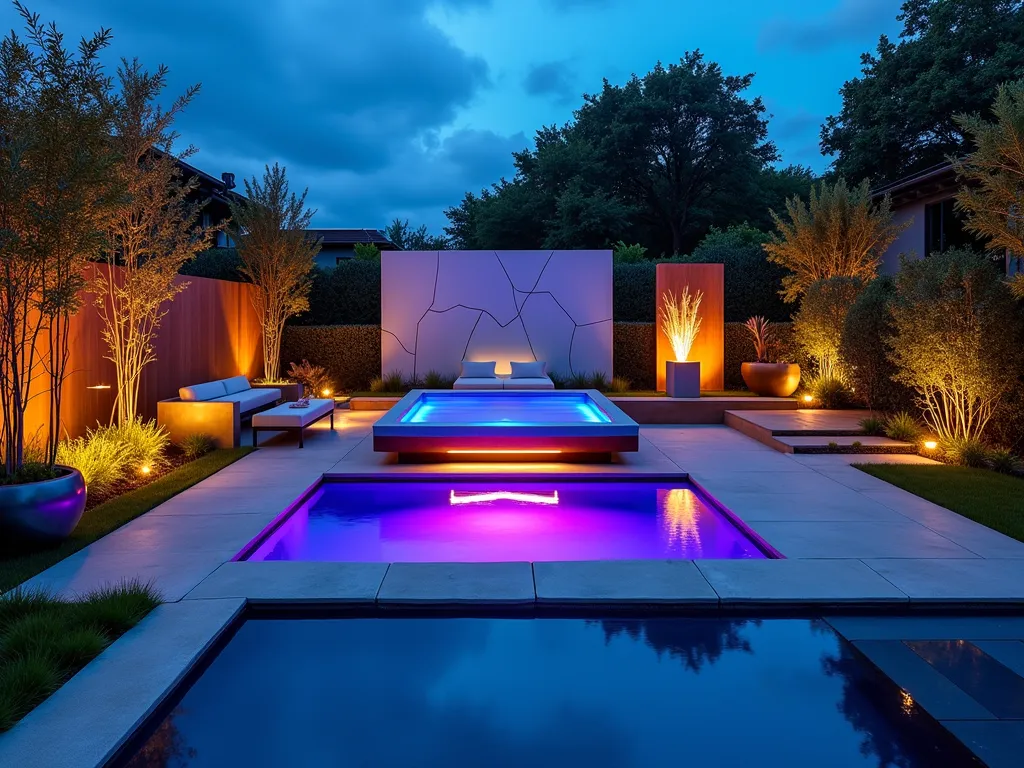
{"x": 389, "y": 108}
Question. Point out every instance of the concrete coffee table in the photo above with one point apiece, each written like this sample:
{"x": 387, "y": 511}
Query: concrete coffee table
{"x": 283, "y": 418}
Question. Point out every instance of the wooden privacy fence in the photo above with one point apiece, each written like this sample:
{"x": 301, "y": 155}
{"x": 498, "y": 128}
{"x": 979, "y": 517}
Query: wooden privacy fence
{"x": 210, "y": 331}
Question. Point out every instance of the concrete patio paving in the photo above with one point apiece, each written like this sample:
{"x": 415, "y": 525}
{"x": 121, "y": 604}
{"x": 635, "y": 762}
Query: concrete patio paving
{"x": 851, "y": 542}
{"x": 897, "y": 547}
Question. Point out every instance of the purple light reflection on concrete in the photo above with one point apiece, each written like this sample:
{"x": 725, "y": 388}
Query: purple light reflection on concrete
{"x": 512, "y": 521}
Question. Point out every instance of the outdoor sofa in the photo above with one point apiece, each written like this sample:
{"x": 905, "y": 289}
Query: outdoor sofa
{"x": 481, "y": 375}
{"x": 214, "y": 408}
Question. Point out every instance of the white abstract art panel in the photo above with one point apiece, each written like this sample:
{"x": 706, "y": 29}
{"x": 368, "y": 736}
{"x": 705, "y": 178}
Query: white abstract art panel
{"x": 439, "y": 308}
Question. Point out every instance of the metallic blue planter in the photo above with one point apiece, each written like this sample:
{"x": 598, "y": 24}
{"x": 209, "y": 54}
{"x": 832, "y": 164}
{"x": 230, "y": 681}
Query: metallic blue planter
{"x": 48, "y": 510}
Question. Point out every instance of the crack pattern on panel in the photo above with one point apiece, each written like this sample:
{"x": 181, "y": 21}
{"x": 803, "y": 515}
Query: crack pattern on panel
{"x": 439, "y": 308}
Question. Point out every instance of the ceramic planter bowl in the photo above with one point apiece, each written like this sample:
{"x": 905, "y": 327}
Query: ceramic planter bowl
{"x": 46, "y": 510}
{"x": 771, "y": 379}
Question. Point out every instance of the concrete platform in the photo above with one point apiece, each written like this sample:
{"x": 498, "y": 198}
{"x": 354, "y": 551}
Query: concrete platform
{"x": 699, "y": 410}
{"x": 812, "y": 431}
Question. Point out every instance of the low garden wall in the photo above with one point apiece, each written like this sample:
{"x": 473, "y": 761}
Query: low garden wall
{"x": 351, "y": 353}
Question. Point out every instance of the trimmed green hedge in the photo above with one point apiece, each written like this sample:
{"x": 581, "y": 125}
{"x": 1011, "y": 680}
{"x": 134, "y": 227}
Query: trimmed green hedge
{"x": 350, "y": 353}
{"x": 633, "y": 351}
{"x": 349, "y": 294}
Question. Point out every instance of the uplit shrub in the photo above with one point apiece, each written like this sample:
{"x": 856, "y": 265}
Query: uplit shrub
{"x": 903, "y": 426}
{"x": 145, "y": 443}
{"x": 101, "y": 461}
{"x": 196, "y": 445}
{"x": 315, "y": 380}
{"x": 377, "y": 384}
{"x": 872, "y": 425}
{"x": 108, "y": 454}
{"x": 968, "y": 452}
{"x": 863, "y": 348}
{"x": 957, "y": 341}
{"x": 818, "y": 325}
{"x": 828, "y": 392}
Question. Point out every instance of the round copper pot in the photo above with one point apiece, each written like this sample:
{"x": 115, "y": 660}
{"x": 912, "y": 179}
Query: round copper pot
{"x": 771, "y": 379}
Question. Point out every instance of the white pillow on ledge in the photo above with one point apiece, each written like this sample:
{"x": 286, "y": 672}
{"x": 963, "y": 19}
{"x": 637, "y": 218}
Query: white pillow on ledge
{"x": 475, "y": 370}
{"x": 529, "y": 370}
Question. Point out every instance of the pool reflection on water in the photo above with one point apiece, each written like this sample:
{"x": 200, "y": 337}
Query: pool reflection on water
{"x": 545, "y": 692}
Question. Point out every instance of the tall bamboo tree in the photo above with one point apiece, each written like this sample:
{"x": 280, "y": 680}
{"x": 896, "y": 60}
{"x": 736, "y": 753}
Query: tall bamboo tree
{"x": 269, "y": 229}
{"x": 153, "y": 232}
{"x": 55, "y": 191}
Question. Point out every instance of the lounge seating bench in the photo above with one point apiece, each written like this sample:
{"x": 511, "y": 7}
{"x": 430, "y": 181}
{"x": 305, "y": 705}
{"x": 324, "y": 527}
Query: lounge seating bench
{"x": 524, "y": 376}
{"x": 214, "y": 408}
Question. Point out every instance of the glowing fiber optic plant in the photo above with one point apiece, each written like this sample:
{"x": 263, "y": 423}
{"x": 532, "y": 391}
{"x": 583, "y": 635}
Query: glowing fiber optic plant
{"x": 680, "y": 321}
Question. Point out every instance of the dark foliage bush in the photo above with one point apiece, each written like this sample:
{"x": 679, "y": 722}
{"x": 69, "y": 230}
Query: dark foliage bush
{"x": 215, "y": 263}
{"x": 752, "y": 283}
{"x": 633, "y": 292}
{"x": 349, "y": 353}
{"x": 864, "y": 352}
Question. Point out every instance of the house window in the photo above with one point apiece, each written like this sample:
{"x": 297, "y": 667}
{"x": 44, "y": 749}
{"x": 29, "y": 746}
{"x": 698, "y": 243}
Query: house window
{"x": 223, "y": 241}
{"x": 944, "y": 229}
{"x": 206, "y": 220}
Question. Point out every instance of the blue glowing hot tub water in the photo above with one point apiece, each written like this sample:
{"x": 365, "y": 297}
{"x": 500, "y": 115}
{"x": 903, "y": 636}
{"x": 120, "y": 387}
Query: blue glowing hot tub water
{"x": 512, "y": 520}
{"x": 511, "y": 409}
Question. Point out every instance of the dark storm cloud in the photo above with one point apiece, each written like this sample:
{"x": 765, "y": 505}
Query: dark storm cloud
{"x": 848, "y": 20}
{"x": 553, "y": 78}
{"x": 336, "y": 91}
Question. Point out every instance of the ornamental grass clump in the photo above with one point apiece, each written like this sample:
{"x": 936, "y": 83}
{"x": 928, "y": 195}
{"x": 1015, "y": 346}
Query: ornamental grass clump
{"x": 957, "y": 341}
{"x": 903, "y": 426}
{"x": 196, "y": 445}
{"x": 680, "y": 321}
{"x": 45, "y": 640}
{"x": 619, "y": 385}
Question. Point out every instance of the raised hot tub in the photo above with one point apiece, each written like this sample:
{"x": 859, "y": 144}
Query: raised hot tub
{"x": 505, "y": 424}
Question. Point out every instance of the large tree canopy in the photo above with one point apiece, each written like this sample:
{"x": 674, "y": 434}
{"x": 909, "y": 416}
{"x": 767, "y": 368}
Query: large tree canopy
{"x": 899, "y": 116}
{"x": 658, "y": 161}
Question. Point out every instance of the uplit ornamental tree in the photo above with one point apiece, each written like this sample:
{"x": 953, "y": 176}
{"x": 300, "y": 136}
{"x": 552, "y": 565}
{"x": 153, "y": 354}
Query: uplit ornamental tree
{"x": 992, "y": 198}
{"x": 840, "y": 233}
{"x": 268, "y": 227}
{"x": 956, "y": 341}
{"x": 152, "y": 232}
{"x": 55, "y": 187}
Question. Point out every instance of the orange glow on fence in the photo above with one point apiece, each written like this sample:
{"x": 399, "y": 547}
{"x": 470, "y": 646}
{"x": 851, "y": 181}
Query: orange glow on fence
{"x": 483, "y": 497}
{"x": 510, "y": 452}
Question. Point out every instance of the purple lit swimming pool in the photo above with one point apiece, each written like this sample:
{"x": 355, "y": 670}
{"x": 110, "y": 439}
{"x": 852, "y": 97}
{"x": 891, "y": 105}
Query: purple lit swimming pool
{"x": 511, "y": 520}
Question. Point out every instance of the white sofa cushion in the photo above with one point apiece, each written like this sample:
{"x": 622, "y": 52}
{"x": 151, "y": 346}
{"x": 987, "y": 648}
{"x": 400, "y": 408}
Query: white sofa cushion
{"x": 536, "y": 382}
{"x": 251, "y": 399}
{"x": 477, "y": 370}
{"x": 533, "y": 370}
{"x": 236, "y": 384}
{"x": 469, "y": 382}
{"x": 211, "y": 390}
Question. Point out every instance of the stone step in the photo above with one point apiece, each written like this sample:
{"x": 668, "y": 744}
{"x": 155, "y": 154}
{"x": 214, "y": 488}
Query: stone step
{"x": 807, "y": 431}
{"x": 843, "y": 444}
